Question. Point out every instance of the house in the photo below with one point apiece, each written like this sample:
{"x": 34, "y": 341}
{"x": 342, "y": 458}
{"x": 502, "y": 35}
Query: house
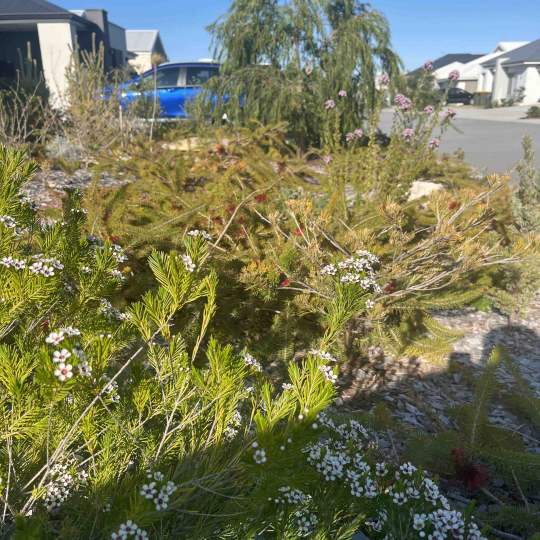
{"x": 48, "y": 34}
{"x": 145, "y": 48}
{"x": 445, "y": 64}
{"x": 515, "y": 73}
{"x": 472, "y": 75}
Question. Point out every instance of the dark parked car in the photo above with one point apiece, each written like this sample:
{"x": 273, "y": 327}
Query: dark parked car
{"x": 175, "y": 85}
{"x": 458, "y": 95}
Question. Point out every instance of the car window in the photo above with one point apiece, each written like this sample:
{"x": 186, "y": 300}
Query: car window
{"x": 165, "y": 78}
{"x": 197, "y": 76}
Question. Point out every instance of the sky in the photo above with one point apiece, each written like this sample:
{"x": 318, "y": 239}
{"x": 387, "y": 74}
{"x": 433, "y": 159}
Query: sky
{"x": 421, "y": 29}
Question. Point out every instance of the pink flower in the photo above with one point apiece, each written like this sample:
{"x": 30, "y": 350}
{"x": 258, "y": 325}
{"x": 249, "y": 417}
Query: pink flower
{"x": 327, "y": 159}
{"x": 429, "y": 109}
{"x": 408, "y": 134}
{"x": 329, "y": 104}
{"x": 428, "y": 65}
{"x": 358, "y": 133}
{"x": 309, "y": 70}
{"x": 434, "y": 143}
{"x": 449, "y": 114}
{"x": 342, "y": 93}
{"x": 384, "y": 79}
{"x": 453, "y": 75}
{"x": 403, "y": 102}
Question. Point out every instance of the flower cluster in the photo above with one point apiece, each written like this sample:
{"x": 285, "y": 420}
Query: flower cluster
{"x": 428, "y": 65}
{"x": 118, "y": 253}
{"x": 342, "y": 93}
{"x": 453, "y": 75}
{"x": 63, "y": 369}
{"x": 157, "y": 490}
{"x": 403, "y": 102}
{"x": 231, "y": 431}
{"x": 434, "y": 143}
{"x": 197, "y": 232}
{"x": 329, "y": 104}
{"x": 408, "y": 134}
{"x": 129, "y": 529}
{"x": 10, "y": 262}
{"x": 62, "y": 483}
{"x": 259, "y": 455}
{"x": 45, "y": 265}
{"x": 342, "y": 455}
{"x": 188, "y": 263}
{"x": 249, "y": 360}
{"x": 358, "y": 133}
{"x": 429, "y": 109}
{"x": 326, "y": 356}
{"x": 328, "y": 373}
{"x": 359, "y": 269}
{"x": 8, "y": 222}
{"x": 384, "y": 79}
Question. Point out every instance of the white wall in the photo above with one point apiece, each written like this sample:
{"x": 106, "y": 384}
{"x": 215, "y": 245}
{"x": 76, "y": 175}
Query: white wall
{"x": 56, "y": 41}
{"x": 142, "y": 62}
{"x": 532, "y": 85}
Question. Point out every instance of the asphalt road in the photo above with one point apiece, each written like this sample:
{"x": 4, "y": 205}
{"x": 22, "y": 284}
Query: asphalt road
{"x": 490, "y": 138}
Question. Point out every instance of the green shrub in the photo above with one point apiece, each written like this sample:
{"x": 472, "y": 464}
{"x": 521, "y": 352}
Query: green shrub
{"x": 533, "y": 112}
{"x": 138, "y": 422}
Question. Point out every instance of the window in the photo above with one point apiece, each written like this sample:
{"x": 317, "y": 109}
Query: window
{"x": 197, "y": 76}
{"x": 165, "y": 78}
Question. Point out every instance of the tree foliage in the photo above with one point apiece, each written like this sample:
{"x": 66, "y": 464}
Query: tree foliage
{"x": 283, "y": 61}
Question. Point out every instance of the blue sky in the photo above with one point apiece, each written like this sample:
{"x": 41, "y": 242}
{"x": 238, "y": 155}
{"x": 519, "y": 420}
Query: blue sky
{"x": 421, "y": 29}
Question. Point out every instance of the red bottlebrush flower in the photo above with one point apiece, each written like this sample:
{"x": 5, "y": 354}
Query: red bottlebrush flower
{"x": 473, "y": 475}
{"x": 452, "y": 205}
{"x": 285, "y": 282}
{"x": 390, "y": 287}
{"x": 297, "y": 232}
{"x": 262, "y": 197}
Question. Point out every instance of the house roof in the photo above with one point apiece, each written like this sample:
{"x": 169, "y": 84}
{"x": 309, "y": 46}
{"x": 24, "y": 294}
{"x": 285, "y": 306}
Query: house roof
{"x": 451, "y": 58}
{"x": 527, "y": 53}
{"x": 34, "y": 9}
{"x": 141, "y": 40}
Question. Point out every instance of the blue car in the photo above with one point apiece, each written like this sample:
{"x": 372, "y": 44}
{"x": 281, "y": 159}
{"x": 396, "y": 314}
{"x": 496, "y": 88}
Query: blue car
{"x": 175, "y": 84}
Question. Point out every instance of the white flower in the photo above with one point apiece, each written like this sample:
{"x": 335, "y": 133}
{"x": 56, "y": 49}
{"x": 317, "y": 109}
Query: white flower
{"x": 116, "y": 274}
{"x": 63, "y": 371}
{"x": 251, "y": 361}
{"x": 260, "y": 456}
{"x": 54, "y": 338}
{"x": 197, "y": 232}
{"x": 188, "y": 263}
{"x": 370, "y": 304}
{"x": 8, "y": 221}
{"x": 148, "y": 490}
{"x": 70, "y": 331}
{"x": 61, "y": 356}
{"x": 161, "y": 501}
{"x": 287, "y": 386}
{"x": 85, "y": 369}
{"x": 329, "y": 374}
{"x": 327, "y": 357}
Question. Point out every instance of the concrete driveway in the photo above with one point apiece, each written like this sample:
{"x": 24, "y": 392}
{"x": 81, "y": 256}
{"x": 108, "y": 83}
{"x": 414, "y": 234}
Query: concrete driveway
{"x": 490, "y": 138}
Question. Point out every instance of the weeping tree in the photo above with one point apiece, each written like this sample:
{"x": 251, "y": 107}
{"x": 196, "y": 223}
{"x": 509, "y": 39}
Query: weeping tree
{"x": 282, "y": 61}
